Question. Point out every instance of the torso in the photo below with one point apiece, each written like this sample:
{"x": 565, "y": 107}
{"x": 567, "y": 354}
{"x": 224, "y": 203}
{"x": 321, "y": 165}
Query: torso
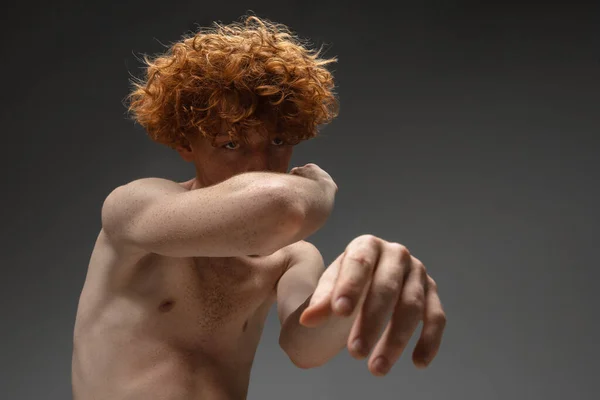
{"x": 153, "y": 327}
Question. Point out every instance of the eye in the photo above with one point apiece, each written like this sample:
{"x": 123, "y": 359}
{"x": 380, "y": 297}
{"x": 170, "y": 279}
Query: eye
{"x": 278, "y": 142}
{"x": 231, "y": 146}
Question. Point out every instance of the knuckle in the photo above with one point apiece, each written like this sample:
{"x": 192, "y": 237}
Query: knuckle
{"x": 350, "y": 289}
{"x": 388, "y": 290}
{"x": 396, "y": 247}
{"x": 361, "y": 258}
{"x": 431, "y": 284}
{"x": 414, "y": 304}
{"x": 404, "y": 253}
{"x": 369, "y": 239}
{"x": 363, "y": 243}
{"x": 352, "y": 282}
{"x": 420, "y": 268}
{"x": 397, "y": 340}
{"x": 351, "y": 286}
{"x": 438, "y": 318}
{"x": 391, "y": 285}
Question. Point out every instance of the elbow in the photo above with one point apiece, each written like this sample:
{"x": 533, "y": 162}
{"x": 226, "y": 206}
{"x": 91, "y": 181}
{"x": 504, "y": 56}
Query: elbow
{"x": 305, "y": 362}
{"x": 309, "y": 364}
{"x": 284, "y": 200}
{"x": 302, "y": 364}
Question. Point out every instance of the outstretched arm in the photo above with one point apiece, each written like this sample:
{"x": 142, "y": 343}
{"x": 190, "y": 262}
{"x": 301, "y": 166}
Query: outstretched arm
{"x": 307, "y": 347}
{"x": 352, "y": 302}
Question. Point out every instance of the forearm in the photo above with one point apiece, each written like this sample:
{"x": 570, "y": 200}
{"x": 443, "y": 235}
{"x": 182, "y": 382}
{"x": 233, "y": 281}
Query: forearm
{"x": 306, "y": 203}
{"x": 313, "y": 347}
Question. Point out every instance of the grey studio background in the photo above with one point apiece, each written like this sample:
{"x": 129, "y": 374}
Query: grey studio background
{"x": 468, "y": 131}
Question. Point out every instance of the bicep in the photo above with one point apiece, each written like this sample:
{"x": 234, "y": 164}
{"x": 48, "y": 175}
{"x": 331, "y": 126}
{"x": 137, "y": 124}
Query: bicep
{"x": 300, "y": 279}
{"x": 124, "y": 210}
{"x": 228, "y": 219}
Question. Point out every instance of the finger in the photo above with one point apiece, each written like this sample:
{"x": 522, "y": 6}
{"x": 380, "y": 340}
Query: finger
{"x": 383, "y": 295}
{"x": 434, "y": 323}
{"x": 408, "y": 312}
{"x": 356, "y": 270}
{"x": 319, "y": 307}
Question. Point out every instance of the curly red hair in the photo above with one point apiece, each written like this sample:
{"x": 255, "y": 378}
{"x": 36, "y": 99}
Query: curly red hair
{"x": 228, "y": 79}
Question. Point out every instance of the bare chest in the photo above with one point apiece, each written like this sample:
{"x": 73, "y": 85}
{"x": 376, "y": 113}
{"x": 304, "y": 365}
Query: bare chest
{"x": 212, "y": 300}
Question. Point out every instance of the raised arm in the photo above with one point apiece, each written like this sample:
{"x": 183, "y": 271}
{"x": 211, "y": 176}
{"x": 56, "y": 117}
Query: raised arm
{"x": 254, "y": 213}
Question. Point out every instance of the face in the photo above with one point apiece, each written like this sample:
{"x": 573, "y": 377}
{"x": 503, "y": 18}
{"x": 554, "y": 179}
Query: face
{"x": 220, "y": 159}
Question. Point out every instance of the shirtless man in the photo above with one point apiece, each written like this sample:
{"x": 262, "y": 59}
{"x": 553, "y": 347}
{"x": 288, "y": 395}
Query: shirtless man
{"x": 183, "y": 275}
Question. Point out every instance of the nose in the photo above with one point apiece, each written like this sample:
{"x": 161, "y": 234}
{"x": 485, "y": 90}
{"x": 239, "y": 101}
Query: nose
{"x": 258, "y": 161}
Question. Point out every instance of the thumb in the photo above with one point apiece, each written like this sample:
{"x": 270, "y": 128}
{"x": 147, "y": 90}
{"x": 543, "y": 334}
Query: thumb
{"x": 317, "y": 312}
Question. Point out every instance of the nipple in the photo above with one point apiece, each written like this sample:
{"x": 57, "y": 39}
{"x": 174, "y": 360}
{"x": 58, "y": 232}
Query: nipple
{"x": 166, "y": 305}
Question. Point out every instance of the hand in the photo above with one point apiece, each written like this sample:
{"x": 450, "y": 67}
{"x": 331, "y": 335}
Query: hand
{"x": 372, "y": 279}
{"x": 315, "y": 173}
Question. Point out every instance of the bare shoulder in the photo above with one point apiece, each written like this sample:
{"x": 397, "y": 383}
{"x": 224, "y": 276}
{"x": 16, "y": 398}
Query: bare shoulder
{"x": 301, "y": 247}
{"x": 126, "y": 200}
{"x": 142, "y": 189}
{"x": 301, "y": 251}
{"x": 151, "y": 186}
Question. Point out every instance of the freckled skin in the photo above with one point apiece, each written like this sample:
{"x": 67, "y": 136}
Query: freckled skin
{"x": 155, "y": 327}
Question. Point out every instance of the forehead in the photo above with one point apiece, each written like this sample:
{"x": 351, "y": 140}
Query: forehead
{"x": 249, "y": 136}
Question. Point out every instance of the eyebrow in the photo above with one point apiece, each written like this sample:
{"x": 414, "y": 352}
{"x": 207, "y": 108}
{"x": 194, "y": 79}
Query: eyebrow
{"x": 221, "y": 136}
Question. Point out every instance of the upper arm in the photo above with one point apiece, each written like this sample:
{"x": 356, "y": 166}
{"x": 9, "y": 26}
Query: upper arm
{"x": 298, "y": 282}
{"x": 227, "y": 219}
{"x": 125, "y": 209}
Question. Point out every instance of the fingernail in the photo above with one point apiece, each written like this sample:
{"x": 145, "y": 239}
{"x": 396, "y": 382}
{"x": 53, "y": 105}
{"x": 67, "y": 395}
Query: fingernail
{"x": 380, "y": 365}
{"x": 358, "y": 347}
{"x": 343, "y": 305}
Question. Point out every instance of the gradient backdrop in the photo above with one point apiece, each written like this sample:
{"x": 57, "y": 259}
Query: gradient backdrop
{"x": 469, "y": 131}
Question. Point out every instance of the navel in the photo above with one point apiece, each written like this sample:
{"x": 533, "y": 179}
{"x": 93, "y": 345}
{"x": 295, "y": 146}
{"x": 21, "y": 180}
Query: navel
{"x": 245, "y": 326}
{"x": 166, "y": 305}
